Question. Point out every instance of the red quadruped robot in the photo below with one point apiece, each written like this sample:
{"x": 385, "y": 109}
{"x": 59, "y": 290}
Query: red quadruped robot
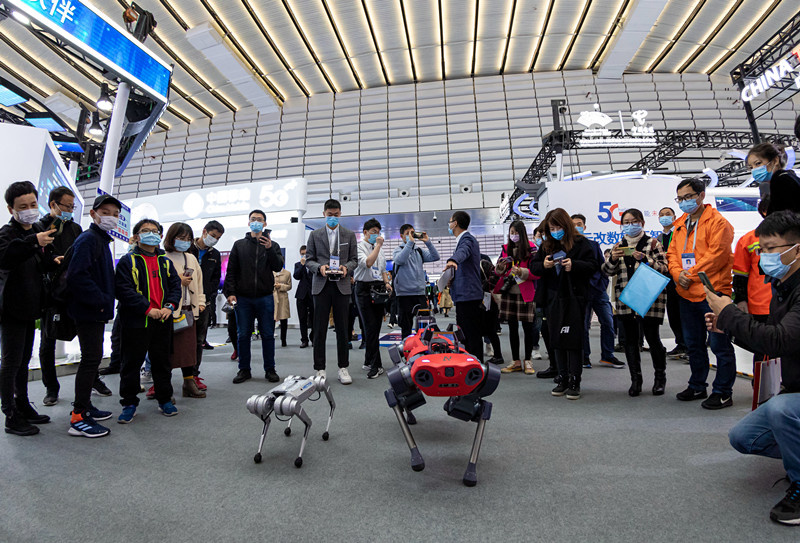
{"x": 434, "y": 363}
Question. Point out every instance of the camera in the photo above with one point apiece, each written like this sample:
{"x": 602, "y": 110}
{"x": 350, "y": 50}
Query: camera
{"x": 562, "y": 109}
{"x": 434, "y": 216}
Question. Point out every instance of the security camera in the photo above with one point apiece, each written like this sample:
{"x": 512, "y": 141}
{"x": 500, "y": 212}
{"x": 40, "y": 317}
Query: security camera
{"x": 345, "y": 197}
{"x": 466, "y": 189}
{"x": 434, "y": 216}
{"x": 404, "y": 193}
{"x": 562, "y": 109}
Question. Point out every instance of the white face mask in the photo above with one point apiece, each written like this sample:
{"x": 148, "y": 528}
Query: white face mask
{"x": 210, "y": 241}
{"x": 27, "y": 216}
{"x": 107, "y": 222}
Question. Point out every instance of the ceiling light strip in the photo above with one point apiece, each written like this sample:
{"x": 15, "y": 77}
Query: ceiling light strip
{"x": 508, "y": 37}
{"x": 616, "y": 23}
{"x": 441, "y": 40}
{"x": 26, "y": 80}
{"x": 375, "y": 41}
{"x": 475, "y": 38}
{"x": 535, "y": 56}
{"x": 744, "y": 37}
{"x": 675, "y": 37}
{"x": 307, "y": 43}
{"x": 275, "y": 49}
{"x": 341, "y": 44}
{"x": 228, "y": 34}
{"x": 408, "y": 41}
{"x": 575, "y": 34}
{"x": 710, "y": 37}
{"x": 174, "y": 14}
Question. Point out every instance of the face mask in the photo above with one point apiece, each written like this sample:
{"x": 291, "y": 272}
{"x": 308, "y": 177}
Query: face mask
{"x": 333, "y": 222}
{"x": 150, "y": 238}
{"x": 631, "y": 230}
{"x": 107, "y": 222}
{"x": 557, "y": 234}
{"x": 256, "y": 226}
{"x": 182, "y": 246}
{"x": 772, "y": 265}
{"x": 373, "y": 238}
{"x": 689, "y": 206}
{"x": 66, "y": 215}
{"x": 514, "y": 238}
{"x": 210, "y": 241}
{"x": 449, "y": 230}
{"x": 666, "y": 220}
{"x": 28, "y": 216}
{"x": 538, "y": 241}
{"x": 761, "y": 174}
{"x": 579, "y": 229}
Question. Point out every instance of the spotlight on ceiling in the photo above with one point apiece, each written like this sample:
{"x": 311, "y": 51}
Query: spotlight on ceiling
{"x": 104, "y": 103}
{"x": 95, "y": 129}
{"x": 21, "y": 17}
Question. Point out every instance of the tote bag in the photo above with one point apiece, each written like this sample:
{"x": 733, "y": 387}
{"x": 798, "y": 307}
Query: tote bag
{"x": 565, "y": 315}
{"x": 766, "y": 380}
{"x": 643, "y": 288}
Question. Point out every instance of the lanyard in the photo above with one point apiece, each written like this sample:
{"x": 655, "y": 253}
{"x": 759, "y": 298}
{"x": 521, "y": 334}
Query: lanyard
{"x": 686, "y": 241}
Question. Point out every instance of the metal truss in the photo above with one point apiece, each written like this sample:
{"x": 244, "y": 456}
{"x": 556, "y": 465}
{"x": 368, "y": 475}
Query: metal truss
{"x": 776, "y": 48}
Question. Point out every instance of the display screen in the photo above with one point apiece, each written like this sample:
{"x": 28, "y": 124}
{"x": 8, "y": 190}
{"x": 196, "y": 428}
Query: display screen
{"x": 10, "y": 98}
{"x": 48, "y": 123}
{"x": 736, "y": 203}
{"x": 50, "y": 177}
{"x": 121, "y": 52}
{"x": 68, "y": 146}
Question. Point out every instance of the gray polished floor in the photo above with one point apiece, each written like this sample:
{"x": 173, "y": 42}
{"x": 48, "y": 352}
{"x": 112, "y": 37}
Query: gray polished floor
{"x": 604, "y": 468}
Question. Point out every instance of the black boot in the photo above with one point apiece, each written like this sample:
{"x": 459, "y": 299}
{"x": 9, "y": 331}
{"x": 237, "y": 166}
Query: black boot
{"x": 562, "y": 384}
{"x": 18, "y": 425}
{"x": 574, "y": 390}
{"x": 26, "y": 410}
{"x": 659, "y": 383}
{"x": 636, "y": 384}
{"x": 660, "y": 366}
{"x": 549, "y": 373}
{"x": 634, "y": 360}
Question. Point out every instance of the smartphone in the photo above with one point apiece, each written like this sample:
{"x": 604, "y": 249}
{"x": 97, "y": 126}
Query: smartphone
{"x": 419, "y": 235}
{"x": 628, "y": 251}
{"x": 188, "y": 272}
{"x": 58, "y": 224}
{"x": 706, "y": 281}
{"x": 559, "y": 256}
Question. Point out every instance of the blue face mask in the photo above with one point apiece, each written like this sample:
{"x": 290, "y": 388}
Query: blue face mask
{"x": 666, "y": 220}
{"x": 182, "y": 246}
{"x": 373, "y": 238}
{"x": 256, "y": 226}
{"x": 66, "y": 215}
{"x": 449, "y": 230}
{"x": 538, "y": 241}
{"x": 557, "y": 234}
{"x": 772, "y": 265}
{"x": 761, "y": 174}
{"x": 689, "y": 206}
{"x": 579, "y": 229}
{"x": 150, "y": 238}
{"x": 631, "y": 230}
{"x": 333, "y": 222}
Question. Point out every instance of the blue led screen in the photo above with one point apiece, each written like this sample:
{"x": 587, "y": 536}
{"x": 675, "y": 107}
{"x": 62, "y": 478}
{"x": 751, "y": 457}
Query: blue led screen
{"x": 10, "y": 98}
{"x": 47, "y": 123}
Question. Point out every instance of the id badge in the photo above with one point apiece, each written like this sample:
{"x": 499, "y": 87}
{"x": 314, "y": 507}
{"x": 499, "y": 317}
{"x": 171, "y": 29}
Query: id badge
{"x": 334, "y": 264}
{"x": 376, "y": 273}
{"x": 688, "y": 261}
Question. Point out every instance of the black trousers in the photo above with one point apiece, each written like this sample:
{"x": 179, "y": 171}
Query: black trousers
{"x": 513, "y": 338}
{"x": 202, "y": 323}
{"x": 371, "y": 319}
{"x": 233, "y": 330}
{"x": 16, "y": 346}
{"x": 393, "y": 304}
{"x": 90, "y": 336}
{"x": 649, "y": 327}
{"x": 212, "y": 311}
{"x": 47, "y": 360}
{"x": 674, "y": 315}
{"x": 490, "y": 325}
{"x": 353, "y": 315}
{"x": 545, "y": 329}
{"x": 569, "y": 364}
{"x": 116, "y": 349}
{"x": 405, "y": 312}
{"x": 330, "y": 298}
{"x": 155, "y": 341}
{"x": 305, "y": 314}
{"x": 284, "y": 329}
{"x": 469, "y": 316}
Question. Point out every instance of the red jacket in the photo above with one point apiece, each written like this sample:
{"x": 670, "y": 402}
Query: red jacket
{"x": 527, "y": 288}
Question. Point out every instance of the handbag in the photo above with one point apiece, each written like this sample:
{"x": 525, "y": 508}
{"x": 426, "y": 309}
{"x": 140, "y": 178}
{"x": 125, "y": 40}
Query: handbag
{"x": 565, "y": 316}
{"x": 643, "y": 288}
{"x": 766, "y": 380}
{"x": 379, "y": 294}
{"x": 186, "y": 318}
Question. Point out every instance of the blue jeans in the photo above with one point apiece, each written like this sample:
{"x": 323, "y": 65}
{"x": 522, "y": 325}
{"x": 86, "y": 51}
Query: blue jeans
{"x": 694, "y": 334}
{"x": 772, "y": 430}
{"x": 247, "y": 311}
{"x": 597, "y": 301}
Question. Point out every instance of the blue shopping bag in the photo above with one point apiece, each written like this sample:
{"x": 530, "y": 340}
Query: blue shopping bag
{"x": 643, "y": 288}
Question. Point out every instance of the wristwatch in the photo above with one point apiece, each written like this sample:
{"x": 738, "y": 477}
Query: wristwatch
{"x": 169, "y": 306}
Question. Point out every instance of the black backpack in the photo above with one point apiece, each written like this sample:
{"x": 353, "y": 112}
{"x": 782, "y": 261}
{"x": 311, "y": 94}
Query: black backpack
{"x": 59, "y": 292}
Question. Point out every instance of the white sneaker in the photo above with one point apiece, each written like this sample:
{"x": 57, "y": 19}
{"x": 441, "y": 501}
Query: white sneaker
{"x": 146, "y": 377}
{"x": 366, "y": 367}
{"x": 489, "y": 351}
{"x": 321, "y": 373}
{"x": 344, "y": 376}
{"x": 390, "y": 325}
{"x": 536, "y": 355}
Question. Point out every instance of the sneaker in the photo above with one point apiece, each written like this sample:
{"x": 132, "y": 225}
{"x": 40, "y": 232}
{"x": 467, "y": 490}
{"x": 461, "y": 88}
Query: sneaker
{"x": 26, "y": 410}
{"x": 200, "y": 384}
{"x": 690, "y": 394}
{"x": 717, "y": 401}
{"x": 19, "y": 426}
{"x": 84, "y": 425}
{"x": 344, "y": 376}
{"x": 619, "y": 348}
{"x": 375, "y": 373}
{"x": 321, "y": 373}
{"x": 51, "y": 398}
{"x": 496, "y": 361}
{"x": 613, "y": 363}
{"x": 512, "y": 367}
{"x": 391, "y": 326}
{"x": 304, "y": 344}
{"x": 536, "y": 355}
{"x": 587, "y": 365}
{"x": 560, "y": 390}
{"x": 98, "y": 414}
{"x": 488, "y": 351}
{"x": 574, "y": 392}
{"x": 242, "y": 376}
{"x": 366, "y": 367}
{"x": 528, "y": 367}
{"x": 676, "y": 352}
{"x": 108, "y": 370}
{"x": 168, "y": 409}
{"x": 271, "y": 376}
{"x": 207, "y": 346}
{"x": 101, "y": 388}
{"x": 362, "y": 345}
{"x": 151, "y": 393}
{"x": 146, "y": 377}
{"x": 128, "y": 412}
{"x": 787, "y": 511}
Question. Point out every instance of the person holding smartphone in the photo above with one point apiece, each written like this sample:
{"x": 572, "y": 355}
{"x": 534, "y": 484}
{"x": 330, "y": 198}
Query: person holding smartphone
{"x": 409, "y": 257}
{"x": 250, "y": 283}
{"x": 177, "y": 243}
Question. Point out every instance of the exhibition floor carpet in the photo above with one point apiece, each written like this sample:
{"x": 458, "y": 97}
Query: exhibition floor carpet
{"x": 604, "y": 468}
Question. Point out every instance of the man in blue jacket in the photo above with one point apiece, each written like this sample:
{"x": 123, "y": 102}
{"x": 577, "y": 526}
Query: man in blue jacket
{"x": 467, "y": 287}
{"x": 409, "y": 277}
{"x": 90, "y": 283}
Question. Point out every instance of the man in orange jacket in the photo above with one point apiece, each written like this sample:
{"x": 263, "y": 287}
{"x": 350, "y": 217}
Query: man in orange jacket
{"x": 702, "y": 243}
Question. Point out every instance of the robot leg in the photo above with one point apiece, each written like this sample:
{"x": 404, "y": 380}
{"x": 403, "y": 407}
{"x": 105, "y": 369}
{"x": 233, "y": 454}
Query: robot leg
{"x": 326, "y": 388}
{"x": 417, "y": 462}
{"x": 301, "y": 414}
{"x": 471, "y": 475}
{"x": 266, "y": 419}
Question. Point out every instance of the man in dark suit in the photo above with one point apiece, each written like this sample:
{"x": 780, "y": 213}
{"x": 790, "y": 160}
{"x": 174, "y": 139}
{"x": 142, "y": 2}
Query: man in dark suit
{"x": 467, "y": 286}
{"x": 331, "y": 257}
{"x": 305, "y": 303}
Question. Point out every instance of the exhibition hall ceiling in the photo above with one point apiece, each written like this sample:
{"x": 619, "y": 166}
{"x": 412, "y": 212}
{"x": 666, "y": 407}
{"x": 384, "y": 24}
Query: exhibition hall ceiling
{"x": 290, "y": 49}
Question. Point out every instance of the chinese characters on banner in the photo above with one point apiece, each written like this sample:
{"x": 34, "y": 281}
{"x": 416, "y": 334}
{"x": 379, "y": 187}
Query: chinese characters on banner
{"x": 64, "y": 8}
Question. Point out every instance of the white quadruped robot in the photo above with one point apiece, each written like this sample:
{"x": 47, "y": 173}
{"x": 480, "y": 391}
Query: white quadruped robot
{"x": 285, "y": 400}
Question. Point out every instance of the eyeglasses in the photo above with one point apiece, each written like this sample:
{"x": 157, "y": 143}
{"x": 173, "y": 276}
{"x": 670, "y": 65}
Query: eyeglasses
{"x": 691, "y": 196}
{"x": 148, "y": 232}
{"x": 65, "y": 207}
{"x": 761, "y": 250}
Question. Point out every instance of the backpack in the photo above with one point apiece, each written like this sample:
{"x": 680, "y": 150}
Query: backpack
{"x": 60, "y": 293}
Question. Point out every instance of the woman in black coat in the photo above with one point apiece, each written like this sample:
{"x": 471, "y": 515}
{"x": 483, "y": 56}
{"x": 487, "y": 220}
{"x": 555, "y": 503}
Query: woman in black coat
{"x": 565, "y": 264}
{"x": 767, "y": 162}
